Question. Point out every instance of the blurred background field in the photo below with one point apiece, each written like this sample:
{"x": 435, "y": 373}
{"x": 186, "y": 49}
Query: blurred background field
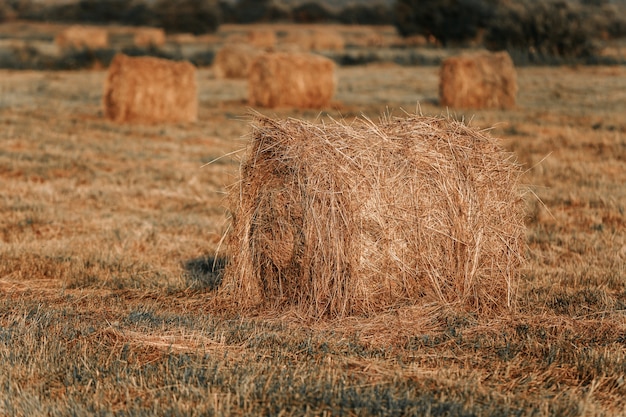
{"x": 109, "y": 232}
{"x": 406, "y": 32}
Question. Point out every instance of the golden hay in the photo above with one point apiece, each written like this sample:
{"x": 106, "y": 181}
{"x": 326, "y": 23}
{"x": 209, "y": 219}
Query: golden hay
{"x": 262, "y": 38}
{"x": 479, "y": 80}
{"x": 234, "y": 60}
{"x": 147, "y": 89}
{"x": 339, "y": 219}
{"x": 291, "y": 80}
{"x": 82, "y": 37}
{"x": 147, "y": 37}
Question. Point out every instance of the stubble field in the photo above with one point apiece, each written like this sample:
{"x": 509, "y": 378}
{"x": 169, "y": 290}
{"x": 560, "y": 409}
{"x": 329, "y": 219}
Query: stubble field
{"x": 107, "y": 233}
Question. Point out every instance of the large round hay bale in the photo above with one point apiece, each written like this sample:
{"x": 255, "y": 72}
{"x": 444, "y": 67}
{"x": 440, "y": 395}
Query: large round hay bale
{"x": 284, "y": 79}
{"x": 339, "y": 219}
{"x": 149, "y": 37}
{"x": 478, "y": 80}
{"x": 234, "y": 60}
{"x": 82, "y": 37}
{"x": 150, "y": 90}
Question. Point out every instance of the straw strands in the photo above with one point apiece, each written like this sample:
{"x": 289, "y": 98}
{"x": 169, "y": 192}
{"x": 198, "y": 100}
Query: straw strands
{"x": 150, "y": 90}
{"x": 340, "y": 219}
{"x": 478, "y": 80}
{"x": 298, "y": 80}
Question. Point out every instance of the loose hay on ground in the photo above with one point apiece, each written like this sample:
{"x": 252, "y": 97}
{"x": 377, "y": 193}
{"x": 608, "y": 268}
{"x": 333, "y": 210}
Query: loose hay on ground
{"x": 339, "y": 219}
{"x": 298, "y": 80}
{"x": 150, "y": 90}
{"x": 478, "y": 80}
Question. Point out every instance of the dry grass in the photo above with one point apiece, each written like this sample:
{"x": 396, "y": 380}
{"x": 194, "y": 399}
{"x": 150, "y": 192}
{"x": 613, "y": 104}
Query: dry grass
{"x": 340, "y": 219}
{"x": 98, "y": 314}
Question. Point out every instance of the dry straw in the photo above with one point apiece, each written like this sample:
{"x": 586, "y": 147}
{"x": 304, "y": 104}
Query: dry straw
{"x": 284, "y": 79}
{"x": 149, "y": 37}
{"x": 344, "y": 219}
{"x": 82, "y": 37}
{"x": 478, "y": 80}
{"x": 234, "y": 60}
{"x": 150, "y": 90}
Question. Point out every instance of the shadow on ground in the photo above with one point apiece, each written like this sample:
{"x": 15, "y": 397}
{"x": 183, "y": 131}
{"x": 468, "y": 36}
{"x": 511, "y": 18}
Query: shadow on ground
{"x": 205, "y": 272}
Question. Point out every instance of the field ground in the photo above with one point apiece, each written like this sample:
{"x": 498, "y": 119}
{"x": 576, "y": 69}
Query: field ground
{"x": 106, "y": 234}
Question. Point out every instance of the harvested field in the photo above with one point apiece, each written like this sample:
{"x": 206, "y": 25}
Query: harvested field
{"x": 111, "y": 262}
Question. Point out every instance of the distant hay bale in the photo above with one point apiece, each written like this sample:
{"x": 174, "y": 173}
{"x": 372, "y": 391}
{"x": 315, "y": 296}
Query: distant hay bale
{"x": 339, "y": 219}
{"x": 147, "y": 37}
{"x": 316, "y": 40}
{"x": 291, "y": 80}
{"x": 477, "y": 81}
{"x": 150, "y": 90}
{"x": 262, "y": 38}
{"x": 327, "y": 40}
{"x": 414, "y": 40}
{"x": 82, "y": 37}
{"x": 234, "y": 60}
{"x": 183, "y": 38}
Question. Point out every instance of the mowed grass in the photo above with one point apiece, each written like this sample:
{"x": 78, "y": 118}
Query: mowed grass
{"x": 107, "y": 234}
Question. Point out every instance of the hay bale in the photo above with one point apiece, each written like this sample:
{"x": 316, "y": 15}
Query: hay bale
{"x": 150, "y": 90}
{"x": 341, "y": 219}
{"x": 234, "y": 60}
{"x": 291, "y": 80}
{"x": 479, "y": 80}
{"x": 82, "y": 37}
{"x": 316, "y": 40}
{"x": 183, "y": 38}
{"x": 262, "y": 38}
{"x": 149, "y": 37}
{"x": 327, "y": 40}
